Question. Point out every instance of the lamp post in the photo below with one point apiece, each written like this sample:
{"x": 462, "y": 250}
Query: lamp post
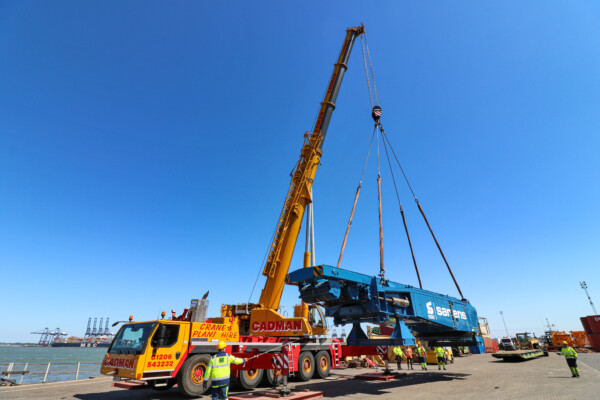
{"x": 584, "y": 287}
{"x": 502, "y": 314}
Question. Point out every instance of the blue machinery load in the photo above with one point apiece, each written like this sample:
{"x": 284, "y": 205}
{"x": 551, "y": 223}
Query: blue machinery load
{"x": 355, "y": 298}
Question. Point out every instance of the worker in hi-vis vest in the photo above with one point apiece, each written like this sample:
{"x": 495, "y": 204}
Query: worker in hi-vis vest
{"x": 439, "y": 353}
{"x": 571, "y": 356}
{"x": 422, "y": 356}
{"x": 218, "y": 370}
{"x": 409, "y": 357}
{"x": 399, "y": 354}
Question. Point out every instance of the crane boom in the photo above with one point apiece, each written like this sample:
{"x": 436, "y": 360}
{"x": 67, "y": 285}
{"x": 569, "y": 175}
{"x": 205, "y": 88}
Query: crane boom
{"x": 299, "y": 192}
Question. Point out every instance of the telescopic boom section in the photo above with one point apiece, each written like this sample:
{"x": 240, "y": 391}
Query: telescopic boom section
{"x": 299, "y": 193}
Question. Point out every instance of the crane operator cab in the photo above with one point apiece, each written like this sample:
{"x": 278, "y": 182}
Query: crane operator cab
{"x": 316, "y": 318}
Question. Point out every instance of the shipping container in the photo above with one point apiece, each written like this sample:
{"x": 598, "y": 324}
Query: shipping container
{"x": 491, "y": 345}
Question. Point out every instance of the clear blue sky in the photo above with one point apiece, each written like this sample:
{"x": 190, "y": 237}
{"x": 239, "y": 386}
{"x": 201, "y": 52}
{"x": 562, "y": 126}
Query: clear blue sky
{"x": 145, "y": 151}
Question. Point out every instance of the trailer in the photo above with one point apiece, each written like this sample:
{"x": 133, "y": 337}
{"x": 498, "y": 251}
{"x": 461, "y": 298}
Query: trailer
{"x": 520, "y": 355}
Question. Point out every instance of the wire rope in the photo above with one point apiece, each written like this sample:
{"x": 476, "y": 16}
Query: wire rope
{"x": 412, "y": 253}
{"x": 264, "y": 258}
{"x": 425, "y": 218}
{"x": 362, "y": 46}
{"x": 381, "y": 258}
{"x": 371, "y": 66}
{"x": 356, "y": 200}
{"x": 400, "y": 165}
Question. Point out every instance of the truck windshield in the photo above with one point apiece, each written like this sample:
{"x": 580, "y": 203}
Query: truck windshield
{"x": 132, "y": 338}
{"x": 316, "y": 319}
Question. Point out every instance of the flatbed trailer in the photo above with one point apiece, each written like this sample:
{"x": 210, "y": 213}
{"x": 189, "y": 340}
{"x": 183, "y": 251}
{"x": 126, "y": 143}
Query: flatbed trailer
{"x": 520, "y": 355}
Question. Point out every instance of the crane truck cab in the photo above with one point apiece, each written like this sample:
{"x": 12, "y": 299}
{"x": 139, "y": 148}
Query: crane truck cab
{"x": 158, "y": 352}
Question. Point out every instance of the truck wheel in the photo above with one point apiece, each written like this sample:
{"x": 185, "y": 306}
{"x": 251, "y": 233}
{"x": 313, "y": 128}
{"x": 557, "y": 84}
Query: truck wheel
{"x": 272, "y": 378}
{"x": 191, "y": 376}
{"x": 306, "y": 366}
{"x": 323, "y": 362}
{"x": 249, "y": 379}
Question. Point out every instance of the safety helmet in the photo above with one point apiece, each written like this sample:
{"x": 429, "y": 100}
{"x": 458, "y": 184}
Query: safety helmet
{"x": 418, "y": 342}
{"x": 221, "y": 345}
{"x": 564, "y": 342}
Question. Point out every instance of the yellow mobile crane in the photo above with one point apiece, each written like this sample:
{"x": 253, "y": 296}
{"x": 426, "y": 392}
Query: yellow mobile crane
{"x": 263, "y": 318}
{"x": 163, "y": 352}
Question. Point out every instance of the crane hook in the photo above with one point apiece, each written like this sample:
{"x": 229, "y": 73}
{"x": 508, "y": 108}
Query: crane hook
{"x": 376, "y": 114}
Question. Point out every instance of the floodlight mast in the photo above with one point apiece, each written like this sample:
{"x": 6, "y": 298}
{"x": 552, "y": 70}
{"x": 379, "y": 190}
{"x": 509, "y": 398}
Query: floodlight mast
{"x": 584, "y": 287}
{"x": 502, "y": 314}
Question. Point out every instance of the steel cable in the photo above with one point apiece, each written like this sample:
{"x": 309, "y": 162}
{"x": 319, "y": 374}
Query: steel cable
{"x": 355, "y": 200}
{"x": 401, "y": 210}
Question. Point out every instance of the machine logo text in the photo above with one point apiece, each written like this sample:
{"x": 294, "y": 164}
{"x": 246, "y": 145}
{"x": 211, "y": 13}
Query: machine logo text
{"x": 277, "y": 326}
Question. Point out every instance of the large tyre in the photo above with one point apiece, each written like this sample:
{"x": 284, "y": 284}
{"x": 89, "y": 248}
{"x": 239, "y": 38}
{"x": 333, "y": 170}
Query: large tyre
{"x": 306, "y": 366}
{"x": 322, "y": 364}
{"x": 272, "y": 379}
{"x": 249, "y": 379}
{"x": 191, "y": 376}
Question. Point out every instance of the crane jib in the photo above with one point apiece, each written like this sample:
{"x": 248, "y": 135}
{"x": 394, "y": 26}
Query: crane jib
{"x": 288, "y": 227}
{"x": 328, "y": 104}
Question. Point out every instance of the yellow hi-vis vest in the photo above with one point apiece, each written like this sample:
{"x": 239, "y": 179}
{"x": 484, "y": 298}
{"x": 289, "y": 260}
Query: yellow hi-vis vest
{"x": 218, "y": 368}
{"x": 439, "y": 352}
{"x": 398, "y": 351}
{"x": 421, "y": 351}
{"x": 568, "y": 352}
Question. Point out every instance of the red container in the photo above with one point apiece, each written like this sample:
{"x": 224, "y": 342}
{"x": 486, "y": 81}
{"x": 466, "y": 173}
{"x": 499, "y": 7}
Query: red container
{"x": 491, "y": 346}
{"x": 593, "y": 322}
{"x": 594, "y": 339}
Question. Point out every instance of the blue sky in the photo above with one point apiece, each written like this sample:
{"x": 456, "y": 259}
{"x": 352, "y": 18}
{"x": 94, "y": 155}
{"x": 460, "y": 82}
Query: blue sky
{"x": 145, "y": 151}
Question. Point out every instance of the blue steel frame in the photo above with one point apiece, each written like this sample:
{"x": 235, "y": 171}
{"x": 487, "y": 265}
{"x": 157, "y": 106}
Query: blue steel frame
{"x": 353, "y": 298}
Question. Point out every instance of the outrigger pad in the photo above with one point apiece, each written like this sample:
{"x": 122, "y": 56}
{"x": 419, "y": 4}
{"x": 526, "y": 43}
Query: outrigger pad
{"x": 401, "y": 336}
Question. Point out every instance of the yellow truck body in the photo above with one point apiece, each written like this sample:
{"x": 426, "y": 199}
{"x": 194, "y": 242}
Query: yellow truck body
{"x": 136, "y": 352}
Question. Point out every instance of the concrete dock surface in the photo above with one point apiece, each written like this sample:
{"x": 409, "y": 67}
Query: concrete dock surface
{"x": 473, "y": 377}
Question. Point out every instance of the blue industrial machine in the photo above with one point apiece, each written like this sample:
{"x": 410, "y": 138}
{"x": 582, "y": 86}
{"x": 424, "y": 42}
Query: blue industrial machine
{"x": 355, "y": 298}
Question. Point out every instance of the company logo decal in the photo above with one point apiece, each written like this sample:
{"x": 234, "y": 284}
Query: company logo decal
{"x": 430, "y": 313}
{"x": 443, "y": 312}
{"x": 207, "y": 331}
{"x": 121, "y": 363}
{"x": 277, "y": 326}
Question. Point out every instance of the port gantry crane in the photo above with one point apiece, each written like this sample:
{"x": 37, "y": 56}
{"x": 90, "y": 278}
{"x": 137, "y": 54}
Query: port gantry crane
{"x": 263, "y": 318}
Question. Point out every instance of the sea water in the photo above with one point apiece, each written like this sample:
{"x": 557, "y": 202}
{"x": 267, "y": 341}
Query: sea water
{"x": 63, "y": 361}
